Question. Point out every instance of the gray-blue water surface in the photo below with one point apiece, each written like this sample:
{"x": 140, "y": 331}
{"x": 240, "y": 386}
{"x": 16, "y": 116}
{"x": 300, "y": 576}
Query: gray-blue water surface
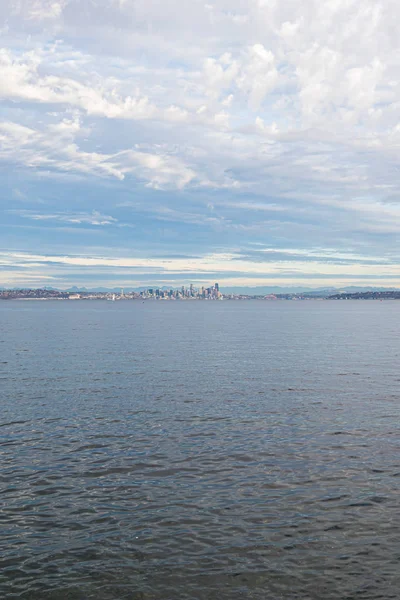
{"x": 206, "y": 450}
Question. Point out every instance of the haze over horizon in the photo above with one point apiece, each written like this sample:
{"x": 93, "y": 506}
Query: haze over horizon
{"x": 248, "y": 142}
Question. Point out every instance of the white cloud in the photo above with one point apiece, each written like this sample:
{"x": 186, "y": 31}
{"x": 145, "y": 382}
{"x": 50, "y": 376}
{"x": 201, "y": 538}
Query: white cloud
{"x": 20, "y": 80}
{"x": 55, "y": 147}
{"x": 159, "y": 170}
{"x": 237, "y": 269}
{"x": 291, "y": 107}
{"x": 37, "y": 10}
{"x": 258, "y": 76}
{"x": 93, "y": 218}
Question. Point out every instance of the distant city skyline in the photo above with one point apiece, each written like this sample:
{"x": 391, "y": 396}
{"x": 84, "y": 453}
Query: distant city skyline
{"x": 211, "y": 292}
{"x": 261, "y": 149}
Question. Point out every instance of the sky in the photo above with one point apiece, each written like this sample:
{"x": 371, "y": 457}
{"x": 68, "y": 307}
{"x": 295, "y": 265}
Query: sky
{"x": 249, "y": 142}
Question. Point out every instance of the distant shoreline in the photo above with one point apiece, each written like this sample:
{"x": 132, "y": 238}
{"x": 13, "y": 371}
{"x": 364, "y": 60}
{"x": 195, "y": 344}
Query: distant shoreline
{"x": 225, "y": 299}
{"x": 213, "y": 294}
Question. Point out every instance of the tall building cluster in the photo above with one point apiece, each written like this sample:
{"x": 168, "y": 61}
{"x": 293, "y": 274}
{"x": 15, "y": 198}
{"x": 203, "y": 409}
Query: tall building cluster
{"x": 209, "y": 293}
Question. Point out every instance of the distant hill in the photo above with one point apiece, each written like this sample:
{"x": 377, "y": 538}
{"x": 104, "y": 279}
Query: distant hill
{"x": 264, "y": 290}
{"x": 370, "y": 295}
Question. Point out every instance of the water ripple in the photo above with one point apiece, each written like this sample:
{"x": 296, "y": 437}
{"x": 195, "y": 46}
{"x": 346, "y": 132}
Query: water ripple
{"x": 249, "y": 459}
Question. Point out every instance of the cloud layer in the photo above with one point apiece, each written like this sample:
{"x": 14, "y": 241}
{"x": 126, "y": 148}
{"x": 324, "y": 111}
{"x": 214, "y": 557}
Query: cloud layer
{"x": 262, "y": 133}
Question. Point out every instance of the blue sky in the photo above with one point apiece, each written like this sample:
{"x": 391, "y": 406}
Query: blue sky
{"x": 253, "y": 142}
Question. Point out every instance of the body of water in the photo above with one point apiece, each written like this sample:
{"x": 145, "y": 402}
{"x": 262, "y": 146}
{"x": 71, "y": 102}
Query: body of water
{"x": 199, "y": 450}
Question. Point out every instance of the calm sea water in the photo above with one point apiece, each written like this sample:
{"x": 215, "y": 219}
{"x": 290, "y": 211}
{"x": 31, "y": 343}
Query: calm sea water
{"x": 205, "y": 450}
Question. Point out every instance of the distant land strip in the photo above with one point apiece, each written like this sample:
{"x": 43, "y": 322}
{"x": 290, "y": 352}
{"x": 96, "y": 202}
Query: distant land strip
{"x": 190, "y": 293}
